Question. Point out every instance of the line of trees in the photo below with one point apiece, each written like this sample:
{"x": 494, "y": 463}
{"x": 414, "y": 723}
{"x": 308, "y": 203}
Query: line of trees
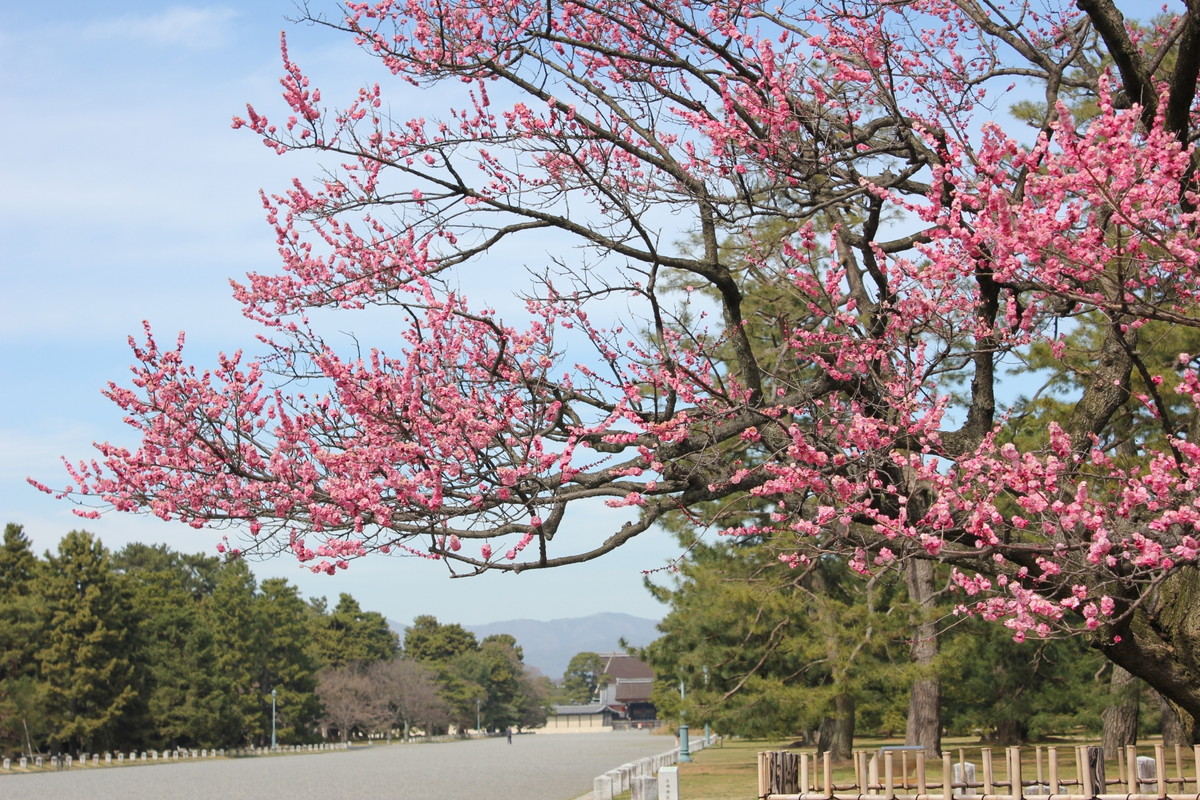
{"x": 765, "y": 649}
{"x": 149, "y": 648}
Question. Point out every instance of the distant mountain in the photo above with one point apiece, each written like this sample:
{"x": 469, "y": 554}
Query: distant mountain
{"x": 549, "y": 646}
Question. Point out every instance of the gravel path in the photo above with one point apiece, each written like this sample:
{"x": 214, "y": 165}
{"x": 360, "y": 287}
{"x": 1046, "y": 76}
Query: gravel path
{"x": 533, "y": 767}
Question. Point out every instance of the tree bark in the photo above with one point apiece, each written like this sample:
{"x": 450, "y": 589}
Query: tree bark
{"x": 1159, "y": 642}
{"x": 836, "y": 734}
{"x": 1121, "y": 714}
{"x": 1172, "y": 731}
{"x": 924, "y": 727}
{"x": 1009, "y": 732}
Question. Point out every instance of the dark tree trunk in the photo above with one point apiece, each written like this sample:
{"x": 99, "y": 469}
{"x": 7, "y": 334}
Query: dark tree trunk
{"x": 1160, "y": 643}
{"x": 1009, "y": 732}
{"x": 924, "y": 726}
{"x": 1172, "y": 730}
{"x": 1121, "y": 714}
{"x": 836, "y": 734}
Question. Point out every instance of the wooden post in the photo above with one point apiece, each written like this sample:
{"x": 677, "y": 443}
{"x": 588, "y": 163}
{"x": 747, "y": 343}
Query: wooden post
{"x": 1085, "y": 774}
{"x": 921, "y": 787}
{"x": 781, "y": 773}
{"x": 1094, "y": 758}
{"x": 1179, "y": 766}
{"x": 986, "y": 754}
{"x": 805, "y": 784}
{"x": 860, "y": 771}
{"x": 889, "y": 775}
{"x": 1196, "y": 758}
{"x": 762, "y": 775}
{"x": 1014, "y": 773}
{"x": 1041, "y": 779}
{"x": 1131, "y": 769}
{"x": 1052, "y": 757}
{"x": 947, "y": 775}
{"x": 1160, "y": 769}
{"x": 828, "y": 770}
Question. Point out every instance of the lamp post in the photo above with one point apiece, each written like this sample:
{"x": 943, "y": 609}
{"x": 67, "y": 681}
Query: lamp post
{"x": 478, "y": 721}
{"x": 274, "y": 693}
{"x": 685, "y": 754}
{"x": 707, "y": 729}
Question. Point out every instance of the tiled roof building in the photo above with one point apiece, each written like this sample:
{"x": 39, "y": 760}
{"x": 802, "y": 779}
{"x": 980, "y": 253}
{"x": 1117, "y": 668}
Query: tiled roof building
{"x": 623, "y": 701}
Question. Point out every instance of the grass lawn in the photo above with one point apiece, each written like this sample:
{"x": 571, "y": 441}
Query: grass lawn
{"x": 725, "y": 771}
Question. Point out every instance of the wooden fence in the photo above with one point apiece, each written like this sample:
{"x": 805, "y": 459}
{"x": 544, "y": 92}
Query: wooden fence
{"x": 1048, "y": 773}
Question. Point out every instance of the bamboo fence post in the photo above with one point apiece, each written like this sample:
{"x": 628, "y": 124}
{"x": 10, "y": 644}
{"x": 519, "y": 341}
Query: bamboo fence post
{"x": 921, "y": 786}
{"x": 1196, "y": 756}
{"x": 1052, "y": 757}
{"x": 986, "y": 756}
{"x": 762, "y": 775}
{"x": 1037, "y": 754}
{"x": 1179, "y": 766}
{"x": 828, "y": 770}
{"x": 947, "y": 775}
{"x": 804, "y": 782}
{"x": 1014, "y": 773}
{"x": 1131, "y": 770}
{"x": 962, "y": 763}
{"x": 889, "y": 773}
{"x": 1160, "y": 769}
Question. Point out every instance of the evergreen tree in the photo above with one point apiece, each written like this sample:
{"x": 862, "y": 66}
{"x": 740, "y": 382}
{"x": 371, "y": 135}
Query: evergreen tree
{"x": 239, "y": 639}
{"x": 762, "y": 649}
{"x": 350, "y": 635}
{"x": 429, "y": 641}
{"x": 583, "y": 678}
{"x": 86, "y": 660}
{"x": 22, "y": 626}
{"x": 1011, "y": 692}
{"x": 166, "y": 590}
{"x": 291, "y": 660}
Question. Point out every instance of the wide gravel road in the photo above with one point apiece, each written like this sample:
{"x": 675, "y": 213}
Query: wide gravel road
{"x": 533, "y": 767}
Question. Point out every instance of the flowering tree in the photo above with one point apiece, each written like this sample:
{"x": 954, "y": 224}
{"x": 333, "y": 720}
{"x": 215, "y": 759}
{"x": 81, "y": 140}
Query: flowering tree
{"x": 891, "y": 235}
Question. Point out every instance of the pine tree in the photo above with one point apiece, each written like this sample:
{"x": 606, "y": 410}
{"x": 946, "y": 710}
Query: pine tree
{"x": 22, "y": 626}
{"x": 291, "y": 660}
{"x": 350, "y": 635}
{"x": 166, "y": 590}
{"x": 86, "y": 660}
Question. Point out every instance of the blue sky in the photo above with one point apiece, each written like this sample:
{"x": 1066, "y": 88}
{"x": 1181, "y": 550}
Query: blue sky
{"x": 128, "y": 197}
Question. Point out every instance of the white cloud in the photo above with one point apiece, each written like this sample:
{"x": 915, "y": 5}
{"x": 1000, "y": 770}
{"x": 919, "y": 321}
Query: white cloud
{"x": 192, "y": 28}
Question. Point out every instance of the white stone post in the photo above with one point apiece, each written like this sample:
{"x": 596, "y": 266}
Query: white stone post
{"x": 668, "y": 783}
{"x": 644, "y": 787}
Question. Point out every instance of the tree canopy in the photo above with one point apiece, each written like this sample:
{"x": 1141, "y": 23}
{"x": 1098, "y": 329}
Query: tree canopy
{"x": 857, "y": 150}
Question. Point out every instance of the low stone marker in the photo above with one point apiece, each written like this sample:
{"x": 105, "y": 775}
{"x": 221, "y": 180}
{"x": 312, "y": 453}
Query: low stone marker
{"x": 668, "y": 783}
{"x": 1147, "y": 773}
{"x": 23, "y": 762}
{"x": 7, "y": 764}
{"x": 644, "y": 787}
{"x": 964, "y": 772}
